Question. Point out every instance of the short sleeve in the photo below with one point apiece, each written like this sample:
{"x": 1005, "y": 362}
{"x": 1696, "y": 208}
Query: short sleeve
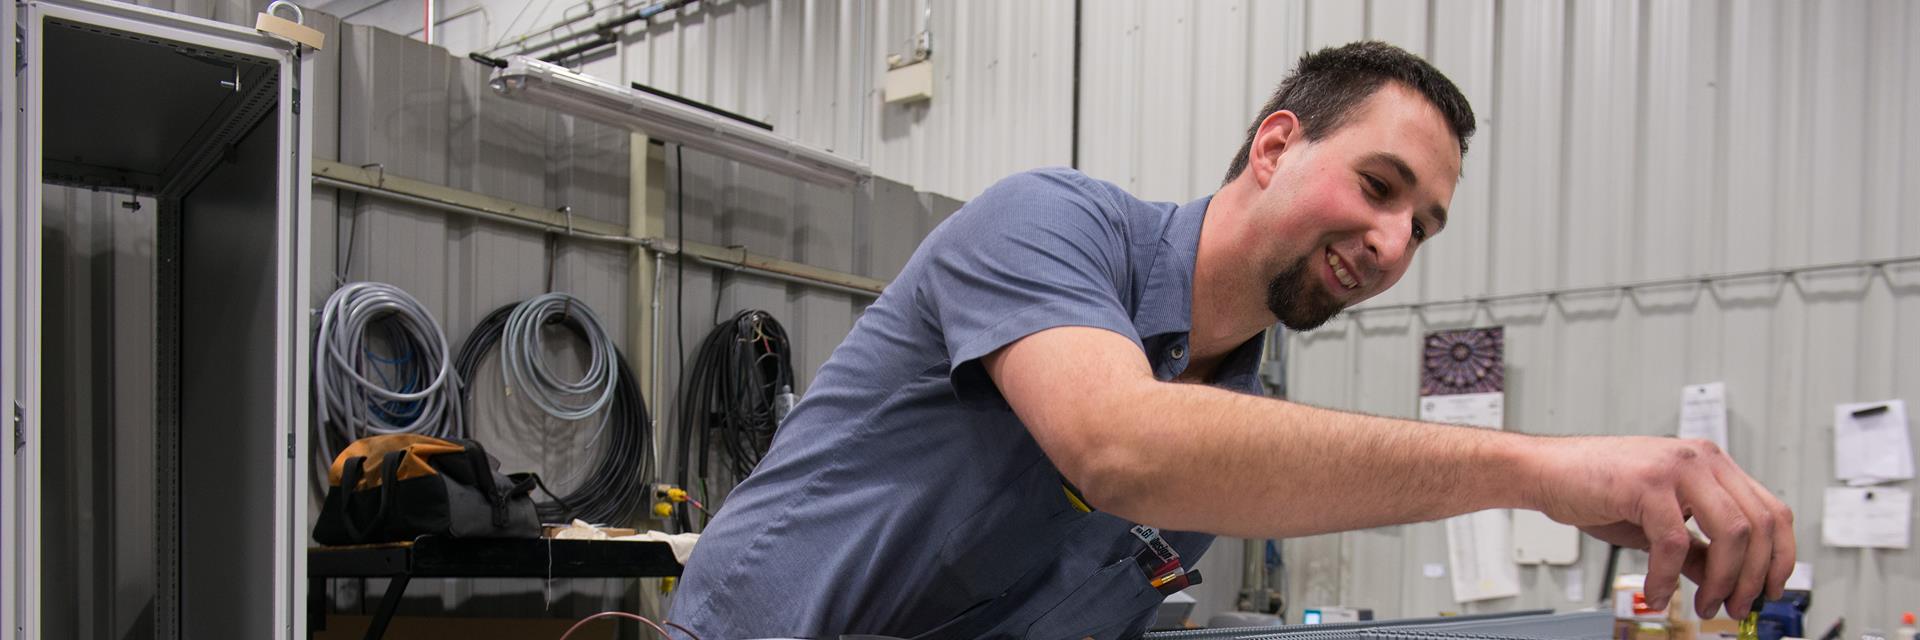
{"x": 1036, "y": 251}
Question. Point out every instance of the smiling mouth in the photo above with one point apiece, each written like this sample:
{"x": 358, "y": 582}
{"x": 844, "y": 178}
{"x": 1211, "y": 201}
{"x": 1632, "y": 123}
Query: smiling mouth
{"x": 1341, "y": 272}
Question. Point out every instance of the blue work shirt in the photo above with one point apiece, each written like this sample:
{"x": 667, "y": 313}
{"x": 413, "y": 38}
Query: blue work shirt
{"x": 903, "y": 497}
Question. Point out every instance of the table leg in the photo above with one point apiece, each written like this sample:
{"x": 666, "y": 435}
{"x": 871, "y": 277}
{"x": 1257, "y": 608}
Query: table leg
{"x": 316, "y": 605}
{"x": 388, "y": 603}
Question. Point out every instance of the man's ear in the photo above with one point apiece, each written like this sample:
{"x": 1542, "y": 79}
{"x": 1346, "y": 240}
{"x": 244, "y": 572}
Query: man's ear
{"x": 1278, "y": 133}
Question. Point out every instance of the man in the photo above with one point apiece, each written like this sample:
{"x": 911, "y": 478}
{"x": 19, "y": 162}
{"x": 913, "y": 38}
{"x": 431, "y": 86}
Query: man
{"x": 1060, "y": 362}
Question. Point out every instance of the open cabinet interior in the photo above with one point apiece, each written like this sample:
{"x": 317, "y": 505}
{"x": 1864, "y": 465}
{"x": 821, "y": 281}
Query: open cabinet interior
{"x": 167, "y": 216}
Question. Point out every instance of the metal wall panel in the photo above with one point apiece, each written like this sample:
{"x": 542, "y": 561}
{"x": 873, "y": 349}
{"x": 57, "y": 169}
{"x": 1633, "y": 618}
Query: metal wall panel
{"x": 99, "y": 270}
{"x": 418, "y": 112}
{"x": 1003, "y": 82}
{"x": 240, "y": 12}
{"x": 227, "y": 403}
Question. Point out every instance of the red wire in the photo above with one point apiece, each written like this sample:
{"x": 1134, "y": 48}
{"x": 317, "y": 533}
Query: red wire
{"x": 622, "y": 614}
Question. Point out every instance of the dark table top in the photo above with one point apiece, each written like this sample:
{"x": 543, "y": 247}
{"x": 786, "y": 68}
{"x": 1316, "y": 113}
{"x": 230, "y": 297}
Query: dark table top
{"x": 438, "y": 557}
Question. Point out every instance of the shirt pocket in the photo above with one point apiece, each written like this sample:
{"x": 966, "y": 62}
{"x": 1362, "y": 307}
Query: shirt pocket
{"x": 1014, "y": 532}
{"x": 1106, "y": 604}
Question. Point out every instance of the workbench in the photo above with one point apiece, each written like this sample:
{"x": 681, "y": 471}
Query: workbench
{"x": 441, "y": 557}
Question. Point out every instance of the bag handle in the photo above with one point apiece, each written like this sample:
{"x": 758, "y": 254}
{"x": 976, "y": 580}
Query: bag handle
{"x": 524, "y": 483}
{"x": 350, "y": 479}
{"x": 483, "y": 477}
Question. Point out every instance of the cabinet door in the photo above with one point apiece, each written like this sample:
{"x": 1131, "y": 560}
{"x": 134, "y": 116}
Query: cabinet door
{"x": 19, "y": 323}
{"x": 198, "y": 121}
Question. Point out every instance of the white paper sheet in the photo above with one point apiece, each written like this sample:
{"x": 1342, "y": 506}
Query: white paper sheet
{"x": 1703, "y": 412}
{"x": 1871, "y": 448}
{"x": 1478, "y": 549}
{"x": 1470, "y": 409}
{"x": 1479, "y": 545}
{"x": 1879, "y": 517}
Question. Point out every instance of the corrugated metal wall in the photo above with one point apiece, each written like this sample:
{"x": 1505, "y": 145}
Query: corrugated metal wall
{"x": 415, "y": 111}
{"x": 1620, "y": 141}
{"x": 1003, "y": 85}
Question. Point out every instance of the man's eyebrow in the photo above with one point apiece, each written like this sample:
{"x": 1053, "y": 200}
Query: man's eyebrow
{"x": 1439, "y": 213}
{"x": 1399, "y": 166}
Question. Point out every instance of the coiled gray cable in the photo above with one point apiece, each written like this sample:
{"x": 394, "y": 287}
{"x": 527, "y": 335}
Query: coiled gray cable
{"x": 345, "y": 395}
{"x": 524, "y": 371}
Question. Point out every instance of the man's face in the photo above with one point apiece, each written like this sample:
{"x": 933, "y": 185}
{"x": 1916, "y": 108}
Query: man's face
{"x": 1346, "y": 212}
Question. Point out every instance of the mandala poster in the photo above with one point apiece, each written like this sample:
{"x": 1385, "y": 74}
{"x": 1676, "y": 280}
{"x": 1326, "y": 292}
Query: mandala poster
{"x": 1464, "y": 361}
{"x": 1463, "y": 380}
{"x": 1463, "y": 377}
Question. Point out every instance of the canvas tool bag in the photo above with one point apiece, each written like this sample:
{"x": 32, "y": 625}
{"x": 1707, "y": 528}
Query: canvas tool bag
{"x": 394, "y": 488}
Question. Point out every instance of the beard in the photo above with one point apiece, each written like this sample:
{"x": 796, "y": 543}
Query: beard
{"x": 1300, "y": 305}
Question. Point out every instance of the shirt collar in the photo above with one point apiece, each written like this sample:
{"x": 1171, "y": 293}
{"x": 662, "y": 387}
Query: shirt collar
{"x": 1166, "y": 301}
{"x": 1241, "y": 370}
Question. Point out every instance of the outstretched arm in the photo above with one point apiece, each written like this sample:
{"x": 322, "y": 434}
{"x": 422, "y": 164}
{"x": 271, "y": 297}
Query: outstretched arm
{"x": 1198, "y": 458}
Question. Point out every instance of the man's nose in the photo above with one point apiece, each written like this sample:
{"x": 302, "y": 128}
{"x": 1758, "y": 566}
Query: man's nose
{"x": 1390, "y": 241}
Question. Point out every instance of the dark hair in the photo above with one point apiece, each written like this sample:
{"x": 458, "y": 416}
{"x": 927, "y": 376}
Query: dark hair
{"x": 1327, "y": 85}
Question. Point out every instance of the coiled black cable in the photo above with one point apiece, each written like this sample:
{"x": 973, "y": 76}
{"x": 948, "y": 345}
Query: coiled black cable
{"x": 617, "y": 485}
{"x": 737, "y": 391}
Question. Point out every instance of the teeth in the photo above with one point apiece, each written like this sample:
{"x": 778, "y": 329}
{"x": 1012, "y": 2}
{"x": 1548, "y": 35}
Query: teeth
{"x": 1340, "y": 272}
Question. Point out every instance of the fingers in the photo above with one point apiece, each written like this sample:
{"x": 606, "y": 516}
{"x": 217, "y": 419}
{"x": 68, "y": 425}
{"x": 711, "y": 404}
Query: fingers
{"x": 1757, "y": 567}
{"x": 1668, "y": 543}
{"x": 1695, "y": 568}
{"x": 1783, "y": 543}
{"x": 1726, "y": 524}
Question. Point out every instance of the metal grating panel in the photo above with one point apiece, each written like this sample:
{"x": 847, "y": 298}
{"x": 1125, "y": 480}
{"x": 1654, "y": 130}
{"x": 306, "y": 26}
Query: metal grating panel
{"x": 1527, "y": 625}
{"x": 1237, "y": 632}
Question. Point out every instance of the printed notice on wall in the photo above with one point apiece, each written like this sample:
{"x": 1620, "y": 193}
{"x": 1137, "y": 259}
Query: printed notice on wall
{"x": 1870, "y": 443}
{"x": 1703, "y": 413}
{"x": 1878, "y": 517}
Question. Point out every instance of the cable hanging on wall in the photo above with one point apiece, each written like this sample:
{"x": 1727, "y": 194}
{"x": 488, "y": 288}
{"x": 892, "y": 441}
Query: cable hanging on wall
{"x": 737, "y": 392}
{"x": 381, "y": 366}
{"x": 611, "y": 489}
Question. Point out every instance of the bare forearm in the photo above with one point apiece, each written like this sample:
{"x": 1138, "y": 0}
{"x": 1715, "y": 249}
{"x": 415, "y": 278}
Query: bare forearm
{"x": 1199, "y": 458}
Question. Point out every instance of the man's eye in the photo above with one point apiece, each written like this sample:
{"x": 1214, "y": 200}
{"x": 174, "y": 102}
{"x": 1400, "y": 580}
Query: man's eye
{"x": 1419, "y": 231}
{"x": 1375, "y": 186}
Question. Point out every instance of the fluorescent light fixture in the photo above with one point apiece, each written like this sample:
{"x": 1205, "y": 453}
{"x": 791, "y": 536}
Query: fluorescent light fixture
{"x": 530, "y": 80}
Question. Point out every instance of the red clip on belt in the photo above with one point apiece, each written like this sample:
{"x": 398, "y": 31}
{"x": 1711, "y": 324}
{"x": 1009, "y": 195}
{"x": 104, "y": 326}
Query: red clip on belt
{"x": 1161, "y": 563}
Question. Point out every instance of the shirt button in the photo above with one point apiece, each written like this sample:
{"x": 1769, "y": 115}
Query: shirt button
{"x": 1177, "y": 352}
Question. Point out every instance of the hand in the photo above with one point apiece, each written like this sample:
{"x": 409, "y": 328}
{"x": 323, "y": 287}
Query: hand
{"x": 1638, "y": 492}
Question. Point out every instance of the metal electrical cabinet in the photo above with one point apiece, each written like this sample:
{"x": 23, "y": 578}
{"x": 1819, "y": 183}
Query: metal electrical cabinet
{"x": 153, "y": 326}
